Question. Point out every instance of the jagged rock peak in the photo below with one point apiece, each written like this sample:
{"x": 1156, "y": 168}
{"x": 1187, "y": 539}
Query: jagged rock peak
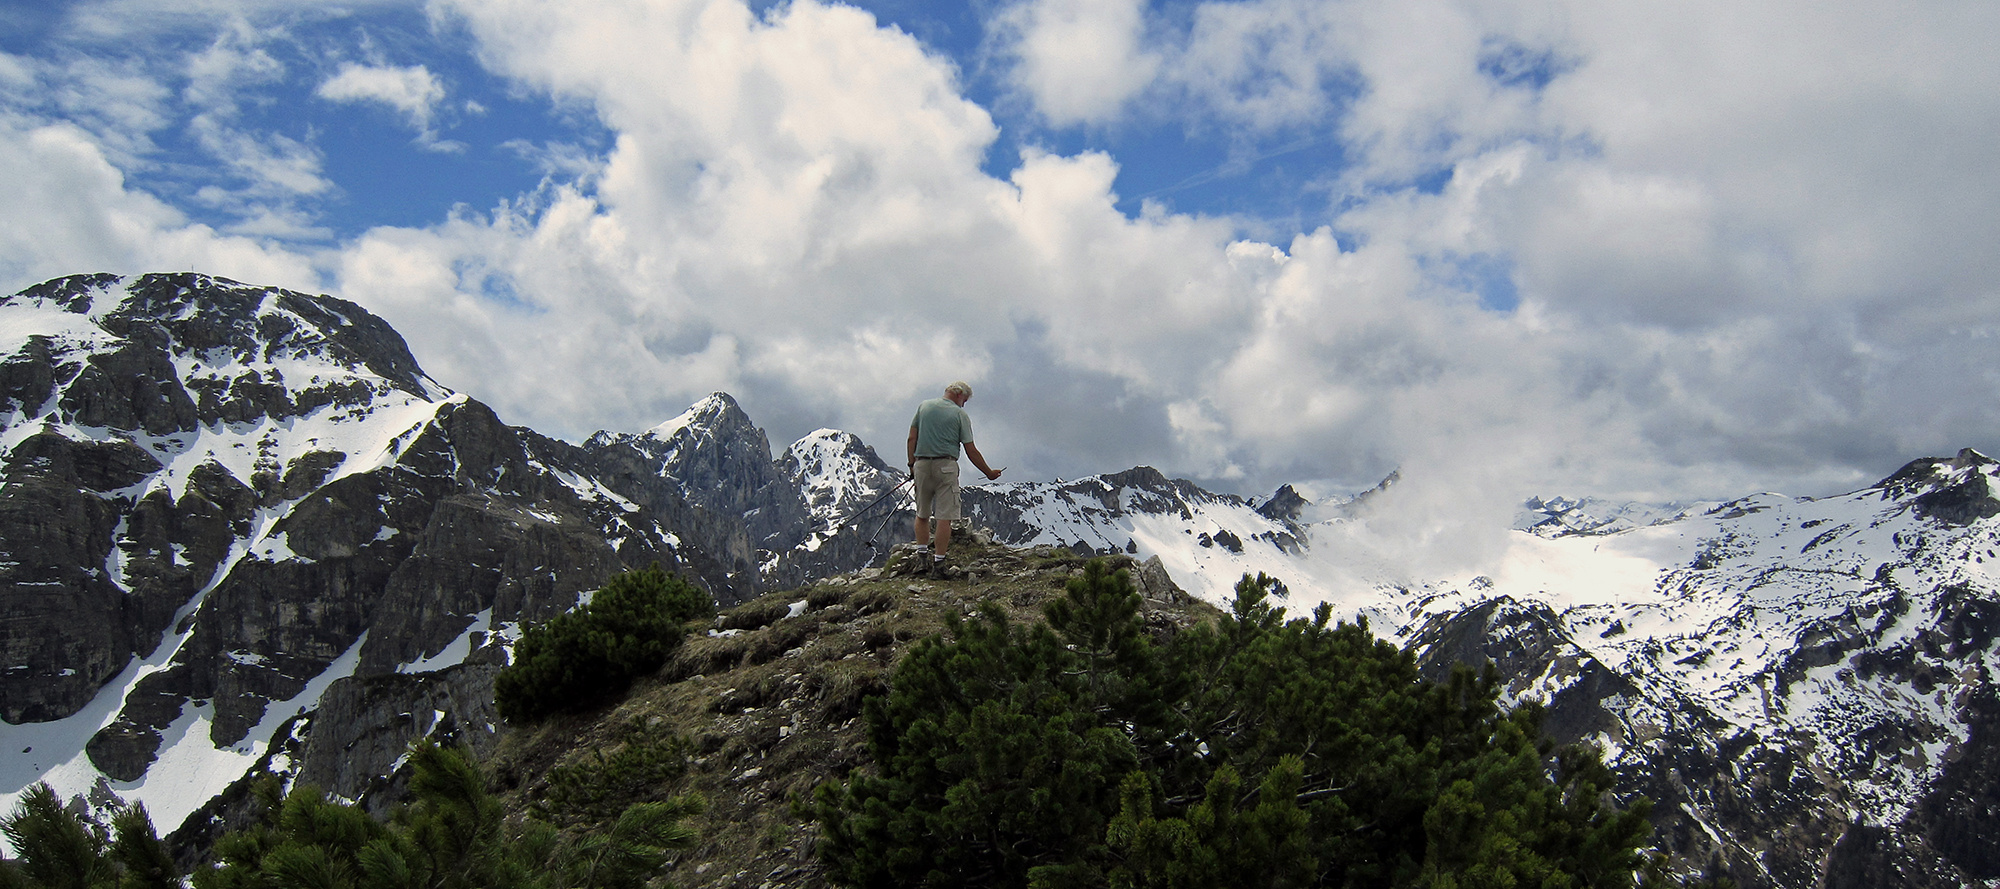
{"x": 1144, "y": 477}
{"x": 723, "y": 461}
{"x": 711, "y": 432}
{"x": 708, "y": 428}
{"x": 219, "y": 321}
{"x": 824, "y": 450}
{"x": 1284, "y": 506}
{"x": 715, "y": 412}
{"x": 1957, "y": 490}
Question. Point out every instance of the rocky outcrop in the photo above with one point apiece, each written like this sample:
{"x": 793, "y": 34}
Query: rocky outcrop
{"x": 718, "y": 460}
{"x": 363, "y": 727}
{"x": 68, "y": 629}
{"x": 256, "y": 491}
{"x": 1954, "y": 490}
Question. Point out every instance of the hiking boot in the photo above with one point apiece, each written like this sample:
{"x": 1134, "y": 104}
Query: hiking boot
{"x": 916, "y": 562}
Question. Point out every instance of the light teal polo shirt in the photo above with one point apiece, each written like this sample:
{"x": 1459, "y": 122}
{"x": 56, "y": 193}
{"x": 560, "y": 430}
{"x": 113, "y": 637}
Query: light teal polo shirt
{"x": 941, "y": 426}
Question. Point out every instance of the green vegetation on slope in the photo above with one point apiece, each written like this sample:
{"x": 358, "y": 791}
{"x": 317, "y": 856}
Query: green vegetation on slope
{"x": 1253, "y": 751}
{"x": 1071, "y": 733}
{"x": 60, "y": 849}
{"x": 584, "y": 657}
{"x": 453, "y": 834}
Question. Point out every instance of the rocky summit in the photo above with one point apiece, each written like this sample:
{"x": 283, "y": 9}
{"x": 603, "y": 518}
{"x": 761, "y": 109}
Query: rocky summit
{"x": 244, "y": 532}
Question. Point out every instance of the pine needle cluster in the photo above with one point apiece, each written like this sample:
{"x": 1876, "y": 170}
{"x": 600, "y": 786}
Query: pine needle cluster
{"x": 63, "y": 848}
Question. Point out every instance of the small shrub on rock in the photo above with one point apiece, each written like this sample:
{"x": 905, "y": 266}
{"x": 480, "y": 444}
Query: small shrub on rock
{"x": 580, "y": 658}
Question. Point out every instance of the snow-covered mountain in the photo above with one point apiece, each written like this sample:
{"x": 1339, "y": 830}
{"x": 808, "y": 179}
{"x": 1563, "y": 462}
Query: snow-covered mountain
{"x": 223, "y": 507}
{"x": 1805, "y": 687}
{"x": 1562, "y": 516}
{"x": 242, "y": 529}
{"x": 1206, "y": 540}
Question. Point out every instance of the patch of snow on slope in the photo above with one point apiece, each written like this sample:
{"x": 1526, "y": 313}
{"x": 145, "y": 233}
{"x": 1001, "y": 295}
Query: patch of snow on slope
{"x": 591, "y": 490}
{"x": 22, "y": 319}
{"x": 190, "y": 769}
{"x": 687, "y": 419}
{"x": 834, "y": 477}
{"x": 1714, "y": 609}
{"x": 455, "y": 651}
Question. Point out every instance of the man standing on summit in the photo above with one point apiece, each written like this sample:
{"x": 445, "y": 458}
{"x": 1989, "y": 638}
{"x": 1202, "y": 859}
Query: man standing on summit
{"x": 939, "y": 427}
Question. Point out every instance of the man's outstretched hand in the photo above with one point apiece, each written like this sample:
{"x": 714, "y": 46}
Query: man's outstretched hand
{"x": 992, "y": 474}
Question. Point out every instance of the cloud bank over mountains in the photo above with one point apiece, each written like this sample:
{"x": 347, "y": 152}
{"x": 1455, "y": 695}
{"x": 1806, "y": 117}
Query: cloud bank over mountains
{"x": 1630, "y": 249}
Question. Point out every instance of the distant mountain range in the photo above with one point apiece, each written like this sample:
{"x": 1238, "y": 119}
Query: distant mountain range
{"x": 243, "y": 530}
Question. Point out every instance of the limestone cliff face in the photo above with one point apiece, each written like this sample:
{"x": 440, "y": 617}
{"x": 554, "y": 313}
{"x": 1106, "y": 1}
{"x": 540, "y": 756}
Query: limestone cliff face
{"x": 715, "y": 459}
{"x": 218, "y": 499}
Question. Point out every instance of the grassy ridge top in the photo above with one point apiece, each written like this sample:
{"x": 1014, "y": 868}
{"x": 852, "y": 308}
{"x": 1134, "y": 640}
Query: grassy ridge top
{"x": 768, "y": 703}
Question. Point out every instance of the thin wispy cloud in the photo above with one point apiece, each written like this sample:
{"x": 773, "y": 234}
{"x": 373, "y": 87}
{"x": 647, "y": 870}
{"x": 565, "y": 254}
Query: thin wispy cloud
{"x": 1235, "y": 167}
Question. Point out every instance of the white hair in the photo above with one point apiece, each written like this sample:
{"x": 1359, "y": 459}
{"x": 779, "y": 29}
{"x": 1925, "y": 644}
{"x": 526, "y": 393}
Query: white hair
{"x": 960, "y": 387}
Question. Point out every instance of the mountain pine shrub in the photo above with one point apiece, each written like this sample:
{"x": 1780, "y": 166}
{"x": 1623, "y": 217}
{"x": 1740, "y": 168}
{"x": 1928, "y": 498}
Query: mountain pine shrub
{"x": 58, "y": 848}
{"x": 453, "y": 834}
{"x": 598, "y": 783}
{"x": 1086, "y": 751}
{"x": 582, "y": 657}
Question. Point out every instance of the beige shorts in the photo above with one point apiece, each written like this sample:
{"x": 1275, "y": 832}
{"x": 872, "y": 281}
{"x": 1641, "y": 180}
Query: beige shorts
{"x": 937, "y": 489}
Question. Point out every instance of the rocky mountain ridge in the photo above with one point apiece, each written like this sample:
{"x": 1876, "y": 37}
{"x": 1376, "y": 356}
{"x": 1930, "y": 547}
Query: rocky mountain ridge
{"x": 218, "y": 501}
{"x": 243, "y": 530}
{"x": 1805, "y": 686}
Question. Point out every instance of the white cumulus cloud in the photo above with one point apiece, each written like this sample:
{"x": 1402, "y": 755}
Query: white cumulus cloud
{"x": 412, "y": 91}
{"x": 85, "y": 219}
{"x": 1079, "y": 61}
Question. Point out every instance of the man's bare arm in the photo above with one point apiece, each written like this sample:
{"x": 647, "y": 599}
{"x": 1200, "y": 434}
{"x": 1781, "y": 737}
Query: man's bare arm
{"x": 972, "y": 453}
{"x": 910, "y": 448}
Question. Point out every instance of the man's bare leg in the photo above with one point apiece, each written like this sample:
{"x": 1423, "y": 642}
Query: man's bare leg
{"x": 943, "y": 540}
{"x": 924, "y": 531}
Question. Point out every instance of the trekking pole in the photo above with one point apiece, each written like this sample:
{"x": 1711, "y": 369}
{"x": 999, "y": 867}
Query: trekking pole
{"x": 887, "y": 517}
{"x": 866, "y": 509}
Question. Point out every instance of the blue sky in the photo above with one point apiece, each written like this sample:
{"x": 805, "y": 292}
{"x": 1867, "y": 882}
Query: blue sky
{"x": 487, "y": 140}
{"x": 1510, "y": 246}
